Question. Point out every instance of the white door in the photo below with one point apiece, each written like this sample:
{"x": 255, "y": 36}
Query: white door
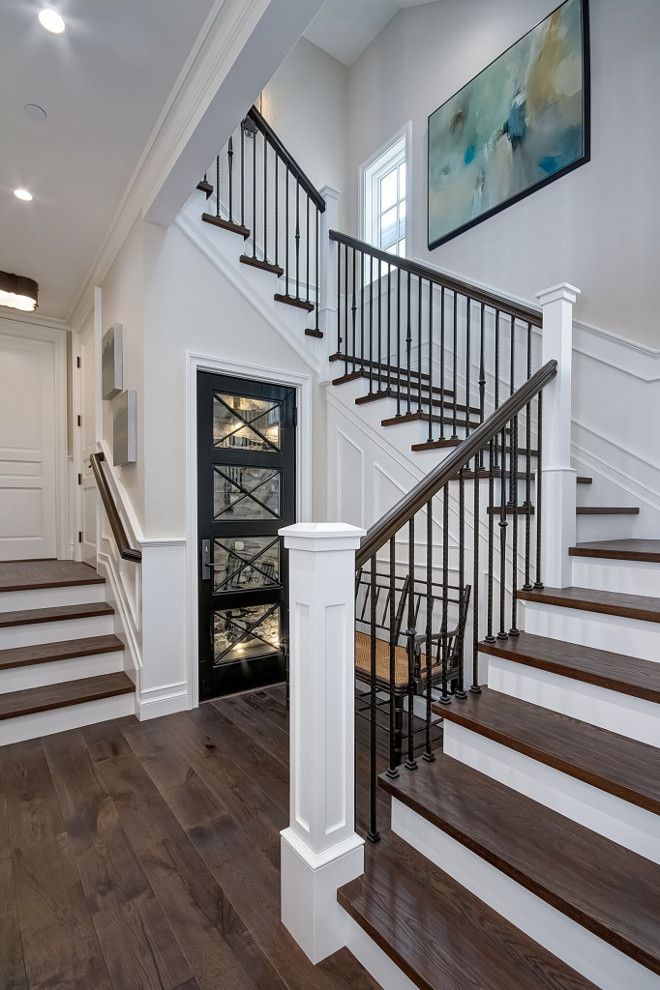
{"x": 28, "y": 437}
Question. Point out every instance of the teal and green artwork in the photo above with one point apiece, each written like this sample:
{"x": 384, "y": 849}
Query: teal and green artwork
{"x": 521, "y": 123}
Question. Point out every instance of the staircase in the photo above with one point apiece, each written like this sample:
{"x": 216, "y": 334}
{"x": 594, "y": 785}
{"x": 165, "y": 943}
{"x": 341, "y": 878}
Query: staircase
{"x": 61, "y": 664}
{"x": 524, "y": 852}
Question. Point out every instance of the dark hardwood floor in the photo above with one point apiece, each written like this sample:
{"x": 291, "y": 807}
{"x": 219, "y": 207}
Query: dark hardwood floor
{"x": 146, "y": 855}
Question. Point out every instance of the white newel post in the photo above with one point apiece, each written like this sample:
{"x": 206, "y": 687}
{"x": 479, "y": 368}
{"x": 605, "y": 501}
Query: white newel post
{"x": 559, "y": 478}
{"x": 320, "y": 849}
{"x": 328, "y": 286}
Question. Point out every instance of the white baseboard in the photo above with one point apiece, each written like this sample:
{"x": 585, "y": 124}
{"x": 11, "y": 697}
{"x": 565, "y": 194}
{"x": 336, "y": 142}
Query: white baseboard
{"x": 165, "y": 700}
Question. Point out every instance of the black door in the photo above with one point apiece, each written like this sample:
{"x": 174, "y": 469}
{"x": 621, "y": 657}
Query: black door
{"x": 246, "y": 493}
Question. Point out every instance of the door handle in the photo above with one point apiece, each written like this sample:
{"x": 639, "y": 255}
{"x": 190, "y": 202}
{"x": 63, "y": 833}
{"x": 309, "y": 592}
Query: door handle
{"x": 206, "y": 560}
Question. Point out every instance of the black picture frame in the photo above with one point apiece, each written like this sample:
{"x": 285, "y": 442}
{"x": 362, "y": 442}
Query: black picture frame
{"x": 542, "y": 183}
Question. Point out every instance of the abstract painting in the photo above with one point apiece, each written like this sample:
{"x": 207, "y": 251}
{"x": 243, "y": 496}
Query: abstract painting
{"x": 112, "y": 362}
{"x": 521, "y": 123}
{"x": 124, "y": 428}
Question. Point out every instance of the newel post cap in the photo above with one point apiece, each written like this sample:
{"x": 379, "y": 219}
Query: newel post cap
{"x": 321, "y": 537}
{"x": 329, "y": 192}
{"x": 564, "y": 292}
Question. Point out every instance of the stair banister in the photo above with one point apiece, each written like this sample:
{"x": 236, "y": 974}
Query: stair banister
{"x": 320, "y": 849}
{"x": 558, "y": 515}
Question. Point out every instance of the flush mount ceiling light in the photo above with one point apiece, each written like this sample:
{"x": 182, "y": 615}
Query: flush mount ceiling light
{"x": 18, "y": 292}
{"x": 23, "y": 194}
{"x": 51, "y": 20}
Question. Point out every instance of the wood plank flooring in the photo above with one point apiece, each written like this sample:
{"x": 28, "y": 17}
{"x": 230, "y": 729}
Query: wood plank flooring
{"x": 146, "y": 855}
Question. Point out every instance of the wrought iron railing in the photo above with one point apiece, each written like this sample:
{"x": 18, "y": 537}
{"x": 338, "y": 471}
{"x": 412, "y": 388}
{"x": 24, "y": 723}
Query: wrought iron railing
{"x": 259, "y": 191}
{"x": 412, "y": 608}
{"x": 447, "y": 352}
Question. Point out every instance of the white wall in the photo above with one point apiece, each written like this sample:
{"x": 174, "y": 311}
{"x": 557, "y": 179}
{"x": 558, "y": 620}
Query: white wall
{"x": 122, "y": 302}
{"x": 306, "y": 104}
{"x": 598, "y": 226}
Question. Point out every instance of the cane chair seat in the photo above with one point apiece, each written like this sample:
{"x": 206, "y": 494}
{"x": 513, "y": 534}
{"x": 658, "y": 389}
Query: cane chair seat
{"x": 363, "y": 662}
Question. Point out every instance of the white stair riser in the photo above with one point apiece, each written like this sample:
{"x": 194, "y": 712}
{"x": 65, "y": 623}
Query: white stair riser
{"x": 628, "y": 577}
{"x": 611, "y": 710}
{"x": 59, "y": 671}
{"x": 37, "y": 633}
{"x": 376, "y": 962}
{"x": 79, "y": 594}
{"x": 625, "y": 823}
{"x": 606, "y": 527}
{"x": 62, "y": 719}
{"x": 617, "y": 634}
{"x": 598, "y": 961}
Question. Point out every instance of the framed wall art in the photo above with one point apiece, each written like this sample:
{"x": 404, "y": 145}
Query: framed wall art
{"x": 521, "y": 123}
{"x": 124, "y": 428}
{"x": 112, "y": 362}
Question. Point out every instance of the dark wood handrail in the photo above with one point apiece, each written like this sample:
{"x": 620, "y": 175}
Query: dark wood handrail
{"x": 287, "y": 158}
{"x": 417, "y": 497}
{"x": 500, "y": 303}
{"x": 126, "y": 551}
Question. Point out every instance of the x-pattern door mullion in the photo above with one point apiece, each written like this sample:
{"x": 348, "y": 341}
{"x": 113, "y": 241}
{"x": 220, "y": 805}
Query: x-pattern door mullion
{"x": 248, "y": 423}
{"x": 250, "y": 562}
{"x": 249, "y": 492}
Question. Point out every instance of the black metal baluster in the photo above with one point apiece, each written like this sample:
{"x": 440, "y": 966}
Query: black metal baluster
{"x": 491, "y": 537}
{"x": 346, "y": 325}
{"x": 371, "y": 323}
{"x": 496, "y": 385}
{"x": 528, "y": 470}
{"x": 398, "y": 341}
{"x": 408, "y": 341}
{"x": 503, "y": 528}
{"x": 428, "y": 753}
{"x": 475, "y": 688}
{"x": 373, "y": 835}
{"x": 307, "y": 250}
{"x": 339, "y": 305}
{"x": 362, "y": 310}
{"x": 454, "y": 434}
{"x": 389, "y": 326}
{"x": 230, "y": 163}
{"x": 443, "y": 642}
{"x": 430, "y": 433}
{"x": 380, "y": 314}
{"x": 254, "y": 195}
{"x": 482, "y": 376}
{"x": 265, "y": 200}
{"x": 297, "y": 236}
{"x": 514, "y": 631}
{"x": 242, "y": 176}
{"x": 538, "y": 583}
{"x": 460, "y": 690}
{"x": 354, "y": 313}
{"x": 317, "y": 267}
{"x": 411, "y": 763}
{"x": 419, "y": 345}
{"x": 277, "y": 209}
{"x": 287, "y": 278}
{"x": 468, "y": 322}
{"x": 512, "y": 374}
{"x": 395, "y": 712}
{"x": 442, "y": 362}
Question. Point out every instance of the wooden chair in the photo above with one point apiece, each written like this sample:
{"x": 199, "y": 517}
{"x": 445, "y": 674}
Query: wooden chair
{"x": 411, "y": 668}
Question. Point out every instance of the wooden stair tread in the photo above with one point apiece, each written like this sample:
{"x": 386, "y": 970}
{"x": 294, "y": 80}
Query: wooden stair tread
{"x": 510, "y": 510}
{"x": 266, "y": 266}
{"x": 381, "y": 365}
{"x": 614, "y": 671}
{"x": 628, "y": 769}
{"x": 234, "y": 228}
{"x": 607, "y": 510}
{"x": 648, "y": 550}
{"x": 26, "y": 656}
{"x": 422, "y": 417}
{"x": 583, "y": 480}
{"x": 56, "y": 613}
{"x": 28, "y": 575}
{"x": 282, "y": 297}
{"x": 590, "y": 600}
{"x": 604, "y": 887}
{"x": 441, "y": 935}
{"x": 43, "y": 699}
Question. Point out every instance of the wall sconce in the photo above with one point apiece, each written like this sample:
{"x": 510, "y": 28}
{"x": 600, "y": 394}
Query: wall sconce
{"x": 18, "y": 292}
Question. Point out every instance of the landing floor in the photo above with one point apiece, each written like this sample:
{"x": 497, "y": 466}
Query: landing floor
{"x": 146, "y": 855}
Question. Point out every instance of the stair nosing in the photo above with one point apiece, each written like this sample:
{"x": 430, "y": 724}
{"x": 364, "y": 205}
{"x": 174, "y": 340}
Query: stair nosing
{"x": 69, "y": 649}
{"x": 593, "y": 550}
{"x": 554, "y": 596}
{"x": 563, "y": 763}
{"x": 610, "y": 682}
{"x": 123, "y": 685}
{"x": 535, "y": 884}
{"x": 56, "y": 613}
{"x": 50, "y": 585}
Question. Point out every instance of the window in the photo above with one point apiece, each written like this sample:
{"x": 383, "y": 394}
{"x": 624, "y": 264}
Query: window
{"x": 384, "y": 196}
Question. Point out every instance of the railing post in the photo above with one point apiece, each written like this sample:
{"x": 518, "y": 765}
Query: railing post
{"x": 558, "y": 523}
{"x": 328, "y": 314}
{"x": 320, "y": 849}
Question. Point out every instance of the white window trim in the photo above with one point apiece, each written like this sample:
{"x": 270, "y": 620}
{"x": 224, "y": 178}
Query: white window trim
{"x": 404, "y": 133}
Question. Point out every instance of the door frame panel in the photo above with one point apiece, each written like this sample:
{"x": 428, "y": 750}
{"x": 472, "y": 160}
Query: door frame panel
{"x": 56, "y": 336}
{"x": 302, "y": 383}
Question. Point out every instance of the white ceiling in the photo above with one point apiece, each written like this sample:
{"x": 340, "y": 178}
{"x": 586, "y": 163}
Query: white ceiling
{"x": 104, "y": 83}
{"x": 344, "y": 28}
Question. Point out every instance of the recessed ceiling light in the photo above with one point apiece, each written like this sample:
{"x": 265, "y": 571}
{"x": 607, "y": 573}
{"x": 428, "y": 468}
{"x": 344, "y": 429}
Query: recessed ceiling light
{"x": 35, "y": 112}
{"x": 23, "y": 194}
{"x": 51, "y": 20}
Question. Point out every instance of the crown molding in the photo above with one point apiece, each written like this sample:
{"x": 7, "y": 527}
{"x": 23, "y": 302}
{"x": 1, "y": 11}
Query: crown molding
{"x": 33, "y": 319}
